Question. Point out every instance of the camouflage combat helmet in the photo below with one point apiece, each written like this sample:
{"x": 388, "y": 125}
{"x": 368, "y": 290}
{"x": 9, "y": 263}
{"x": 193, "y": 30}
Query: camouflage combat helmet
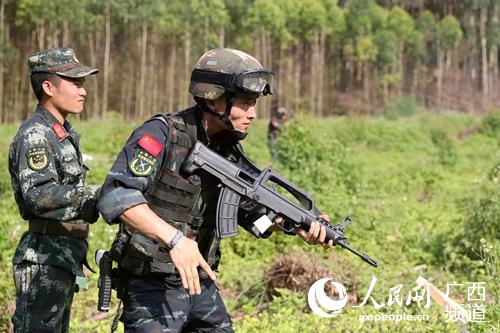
{"x": 229, "y": 71}
{"x": 224, "y": 69}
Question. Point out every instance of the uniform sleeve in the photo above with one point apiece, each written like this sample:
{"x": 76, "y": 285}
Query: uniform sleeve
{"x": 43, "y": 194}
{"x": 133, "y": 171}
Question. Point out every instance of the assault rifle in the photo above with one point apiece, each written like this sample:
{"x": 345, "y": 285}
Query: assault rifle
{"x": 264, "y": 189}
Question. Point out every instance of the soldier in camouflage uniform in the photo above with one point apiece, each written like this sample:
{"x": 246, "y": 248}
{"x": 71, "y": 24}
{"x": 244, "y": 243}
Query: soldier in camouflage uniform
{"x": 275, "y": 126}
{"x": 48, "y": 177}
{"x": 166, "y": 248}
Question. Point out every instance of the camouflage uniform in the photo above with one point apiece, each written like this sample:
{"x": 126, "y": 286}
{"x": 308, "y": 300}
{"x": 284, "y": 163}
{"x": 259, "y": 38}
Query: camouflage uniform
{"x": 275, "y": 126}
{"x": 48, "y": 176}
{"x": 154, "y": 300}
{"x": 147, "y": 172}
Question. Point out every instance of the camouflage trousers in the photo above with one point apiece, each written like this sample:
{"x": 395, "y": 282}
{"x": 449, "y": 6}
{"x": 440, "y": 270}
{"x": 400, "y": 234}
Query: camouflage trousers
{"x": 272, "y": 141}
{"x": 44, "y": 294}
{"x": 154, "y": 305}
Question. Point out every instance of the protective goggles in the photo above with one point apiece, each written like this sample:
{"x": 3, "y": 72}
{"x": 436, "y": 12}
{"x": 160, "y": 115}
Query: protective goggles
{"x": 254, "y": 81}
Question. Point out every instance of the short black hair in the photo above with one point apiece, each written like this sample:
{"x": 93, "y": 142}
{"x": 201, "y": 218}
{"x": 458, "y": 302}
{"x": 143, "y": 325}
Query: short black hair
{"x": 36, "y": 82}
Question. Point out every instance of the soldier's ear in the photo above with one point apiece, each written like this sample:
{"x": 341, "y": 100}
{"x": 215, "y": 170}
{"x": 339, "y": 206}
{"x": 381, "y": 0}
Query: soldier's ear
{"x": 211, "y": 104}
{"x": 48, "y": 88}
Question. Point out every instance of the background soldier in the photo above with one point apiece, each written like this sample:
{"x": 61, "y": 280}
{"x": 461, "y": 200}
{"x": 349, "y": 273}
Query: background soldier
{"x": 276, "y": 124}
{"x": 167, "y": 240}
{"x": 48, "y": 176}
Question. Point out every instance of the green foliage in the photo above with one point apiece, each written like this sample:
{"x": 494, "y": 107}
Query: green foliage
{"x": 386, "y": 42}
{"x": 491, "y": 125}
{"x": 446, "y": 149}
{"x": 400, "y": 22}
{"x": 449, "y": 32}
{"x": 400, "y": 106}
{"x": 267, "y": 16}
{"x": 416, "y": 45}
{"x": 482, "y": 213}
{"x": 410, "y": 211}
{"x": 427, "y": 25}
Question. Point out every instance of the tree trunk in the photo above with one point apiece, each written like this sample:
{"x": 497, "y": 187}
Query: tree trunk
{"x": 222, "y": 34}
{"x": 187, "y": 60}
{"x": 170, "y": 75}
{"x": 142, "y": 79}
{"x": 322, "y": 68}
{"x": 205, "y": 35}
{"x": 66, "y": 34}
{"x": 107, "y": 48}
{"x": 280, "y": 83}
{"x": 289, "y": 88}
{"x": 93, "y": 62}
{"x": 440, "y": 73}
{"x": 313, "y": 73}
{"x": 41, "y": 35}
{"x": 3, "y": 43}
{"x": 297, "y": 75}
{"x": 483, "y": 16}
{"x": 494, "y": 54}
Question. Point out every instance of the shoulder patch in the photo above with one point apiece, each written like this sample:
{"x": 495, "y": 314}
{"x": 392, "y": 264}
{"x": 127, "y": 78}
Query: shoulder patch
{"x": 60, "y": 131}
{"x": 38, "y": 158}
{"x": 142, "y": 164}
{"x": 150, "y": 144}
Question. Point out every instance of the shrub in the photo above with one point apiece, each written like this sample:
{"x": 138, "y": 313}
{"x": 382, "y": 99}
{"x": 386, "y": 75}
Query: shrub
{"x": 401, "y": 106}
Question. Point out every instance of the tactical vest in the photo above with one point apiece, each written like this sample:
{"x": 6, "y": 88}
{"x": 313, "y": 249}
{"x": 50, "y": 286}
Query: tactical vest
{"x": 188, "y": 204}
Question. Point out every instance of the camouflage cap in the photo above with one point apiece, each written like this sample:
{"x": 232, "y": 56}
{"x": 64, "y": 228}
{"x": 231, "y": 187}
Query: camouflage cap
{"x": 61, "y": 61}
{"x": 222, "y": 60}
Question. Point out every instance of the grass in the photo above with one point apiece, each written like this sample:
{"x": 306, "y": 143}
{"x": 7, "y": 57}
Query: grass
{"x": 411, "y": 184}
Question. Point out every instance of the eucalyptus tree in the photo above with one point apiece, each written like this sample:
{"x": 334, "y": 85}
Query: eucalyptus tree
{"x": 39, "y": 24}
{"x": 330, "y": 69}
{"x": 364, "y": 20}
{"x": 449, "y": 35}
{"x": 401, "y": 24}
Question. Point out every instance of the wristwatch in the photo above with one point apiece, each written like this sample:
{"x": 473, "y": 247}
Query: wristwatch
{"x": 173, "y": 242}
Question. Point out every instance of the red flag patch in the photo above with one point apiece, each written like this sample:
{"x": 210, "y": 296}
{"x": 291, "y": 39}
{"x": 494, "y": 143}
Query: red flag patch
{"x": 150, "y": 144}
{"x": 60, "y": 131}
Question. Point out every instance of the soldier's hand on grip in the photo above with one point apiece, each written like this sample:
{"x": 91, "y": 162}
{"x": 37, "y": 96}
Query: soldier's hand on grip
{"x": 316, "y": 234}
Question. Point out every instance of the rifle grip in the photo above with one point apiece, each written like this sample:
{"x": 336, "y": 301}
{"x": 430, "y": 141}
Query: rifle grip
{"x": 227, "y": 213}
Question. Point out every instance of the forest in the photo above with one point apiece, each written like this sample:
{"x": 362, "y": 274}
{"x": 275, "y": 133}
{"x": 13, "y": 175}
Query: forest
{"x": 329, "y": 57}
{"x": 395, "y": 121}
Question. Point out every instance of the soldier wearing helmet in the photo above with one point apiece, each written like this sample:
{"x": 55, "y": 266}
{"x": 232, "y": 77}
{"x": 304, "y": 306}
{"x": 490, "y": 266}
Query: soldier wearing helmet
{"x": 166, "y": 248}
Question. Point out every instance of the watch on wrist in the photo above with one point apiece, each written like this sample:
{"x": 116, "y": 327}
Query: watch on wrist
{"x": 173, "y": 242}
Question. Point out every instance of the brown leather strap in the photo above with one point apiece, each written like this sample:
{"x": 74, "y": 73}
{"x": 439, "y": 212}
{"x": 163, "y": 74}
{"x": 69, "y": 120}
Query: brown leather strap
{"x": 75, "y": 229}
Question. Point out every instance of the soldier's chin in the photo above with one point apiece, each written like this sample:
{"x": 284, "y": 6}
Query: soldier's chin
{"x": 243, "y": 129}
{"x": 77, "y": 110}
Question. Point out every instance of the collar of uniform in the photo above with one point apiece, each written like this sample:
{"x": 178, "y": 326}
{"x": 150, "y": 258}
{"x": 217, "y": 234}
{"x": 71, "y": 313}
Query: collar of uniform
{"x": 61, "y": 131}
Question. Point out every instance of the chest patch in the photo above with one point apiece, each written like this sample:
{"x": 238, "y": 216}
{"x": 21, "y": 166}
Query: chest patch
{"x": 142, "y": 164}
{"x": 38, "y": 158}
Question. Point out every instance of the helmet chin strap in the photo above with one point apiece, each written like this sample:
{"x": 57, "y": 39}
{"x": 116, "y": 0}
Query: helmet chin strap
{"x": 236, "y": 135}
{"x": 225, "y": 117}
